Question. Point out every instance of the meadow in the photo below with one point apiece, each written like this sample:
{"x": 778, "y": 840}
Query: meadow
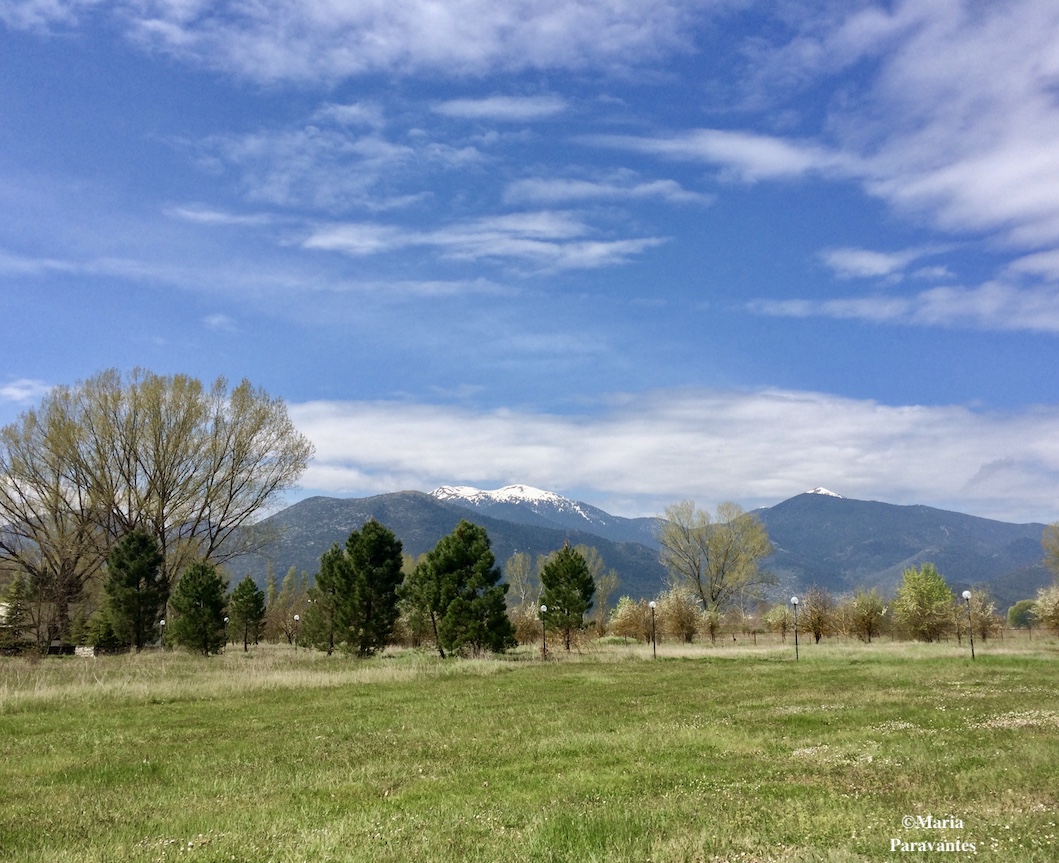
{"x": 706, "y": 753}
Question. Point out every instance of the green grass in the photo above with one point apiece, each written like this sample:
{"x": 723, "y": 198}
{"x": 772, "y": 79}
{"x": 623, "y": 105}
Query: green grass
{"x": 705, "y": 754}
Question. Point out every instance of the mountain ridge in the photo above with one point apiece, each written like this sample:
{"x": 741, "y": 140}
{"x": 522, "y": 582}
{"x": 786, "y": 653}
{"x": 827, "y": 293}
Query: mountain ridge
{"x": 819, "y": 537}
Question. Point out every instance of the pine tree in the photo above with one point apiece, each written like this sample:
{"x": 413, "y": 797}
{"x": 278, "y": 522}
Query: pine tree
{"x": 14, "y": 613}
{"x": 354, "y": 602}
{"x": 199, "y": 603}
{"x": 458, "y": 585}
{"x": 136, "y": 588}
{"x": 247, "y": 611}
{"x": 568, "y": 591}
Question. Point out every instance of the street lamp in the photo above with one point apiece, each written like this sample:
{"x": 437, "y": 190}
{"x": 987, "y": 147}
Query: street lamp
{"x": 970, "y": 624}
{"x": 794, "y": 602}
{"x": 226, "y": 633}
{"x": 161, "y": 641}
{"x": 544, "y": 633}
{"x": 654, "y": 643}
{"x": 297, "y": 621}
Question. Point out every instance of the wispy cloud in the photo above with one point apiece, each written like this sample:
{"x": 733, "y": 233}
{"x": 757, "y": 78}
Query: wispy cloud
{"x": 866, "y": 263}
{"x": 23, "y": 390}
{"x": 957, "y": 121}
{"x": 548, "y": 240}
{"x": 993, "y": 306}
{"x": 506, "y": 108}
{"x": 331, "y": 166}
{"x": 654, "y": 448}
{"x": 219, "y": 323}
{"x": 625, "y": 186}
{"x": 744, "y": 156}
{"x": 276, "y": 40}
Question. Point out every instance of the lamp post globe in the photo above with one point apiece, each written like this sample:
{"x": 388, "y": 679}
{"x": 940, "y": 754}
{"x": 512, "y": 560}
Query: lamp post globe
{"x": 654, "y": 641}
{"x": 544, "y": 632}
{"x": 970, "y": 623}
{"x": 794, "y": 604}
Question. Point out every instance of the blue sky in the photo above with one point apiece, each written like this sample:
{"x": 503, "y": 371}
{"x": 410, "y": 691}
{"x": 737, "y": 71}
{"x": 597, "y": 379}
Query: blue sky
{"x": 630, "y": 252}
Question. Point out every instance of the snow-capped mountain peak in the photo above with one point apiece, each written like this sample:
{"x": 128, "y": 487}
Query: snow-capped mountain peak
{"x": 508, "y": 494}
{"x": 825, "y": 492}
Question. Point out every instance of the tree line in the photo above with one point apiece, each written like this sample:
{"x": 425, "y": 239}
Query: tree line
{"x": 190, "y": 466}
{"x": 123, "y": 497}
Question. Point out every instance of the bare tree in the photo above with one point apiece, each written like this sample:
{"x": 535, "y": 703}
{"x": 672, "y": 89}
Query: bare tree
{"x": 190, "y": 466}
{"x": 716, "y": 557}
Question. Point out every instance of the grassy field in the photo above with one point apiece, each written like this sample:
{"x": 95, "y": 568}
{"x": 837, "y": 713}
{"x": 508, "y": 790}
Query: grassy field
{"x": 705, "y": 754}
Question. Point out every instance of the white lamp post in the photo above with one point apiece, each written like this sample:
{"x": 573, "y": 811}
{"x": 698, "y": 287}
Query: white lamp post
{"x": 970, "y": 623}
{"x": 654, "y": 642}
{"x": 544, "y": 633}
{"x": 794, "y": 603}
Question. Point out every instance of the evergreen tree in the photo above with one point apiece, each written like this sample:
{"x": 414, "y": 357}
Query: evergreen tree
{"x": 198, "y": 603}
{"x": 326, "y": 614}
{"x": 15, "y": 613}
{"x": 375, "y": 556}
{"x": 458, "y": 585}
{"x": 568, "y": 591}
{"x": 247, "y": 611}
{"x": 354, "y": 602}
{"x": 136, "y": 588}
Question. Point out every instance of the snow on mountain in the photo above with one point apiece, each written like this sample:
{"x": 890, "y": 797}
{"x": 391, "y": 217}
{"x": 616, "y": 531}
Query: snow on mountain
{"x": 825, "y": 492}
{"x": 537, "y": 499}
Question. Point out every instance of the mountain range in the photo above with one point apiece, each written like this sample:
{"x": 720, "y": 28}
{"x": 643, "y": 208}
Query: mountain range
{"x": 819, "y": 538}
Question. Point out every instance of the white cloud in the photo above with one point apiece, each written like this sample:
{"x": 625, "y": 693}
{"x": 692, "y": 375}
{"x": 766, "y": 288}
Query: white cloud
{"x": 506, "y": 108}
{"x": 327, "y": 166}
{"x": 276, "y": 40}
{"x": 622, "y": 187}
{"x": 745, "y": 156}
{"x": 352, "y": 114}
{"x": 957, "y": 121}
{"x": 654, "y": 448}
{"x": 992, "y": 306}
{"x": 546, "y": 240}
{"x": 865, "y": 263}
{"x": 208, "y": 216}
{"x": 24, "y": 390}
{"x": 219, "y": 323}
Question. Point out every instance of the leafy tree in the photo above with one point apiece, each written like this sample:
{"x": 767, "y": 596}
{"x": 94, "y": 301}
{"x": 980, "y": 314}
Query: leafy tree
{"x": 679, "y": 615}
{"x": 136, "y": 589}
{"x": 290, "y": 602}
{"x": 984, "y": 621}
{"x": 247, "y": 610}
{"x": 458, "y": 585}
{"x": 113, "y": 454}
{"x": 779, "y": 618}
{"x": 199, "y": 603}
{"x": 522, "y": 596}
{"x": 924, "y": 603}
{"x": 354, "y": 602}
{"x": 568, "y": 588}
{"x": 606, "y": 585}
{"x": 818, "y": 613}
{"x": 1046, "y": 608}
{"x": 717, "y": 558}
{"x": 631, "y": 618}
{"x": 1021, "y": 614}
{"x": 867, "y": 615}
